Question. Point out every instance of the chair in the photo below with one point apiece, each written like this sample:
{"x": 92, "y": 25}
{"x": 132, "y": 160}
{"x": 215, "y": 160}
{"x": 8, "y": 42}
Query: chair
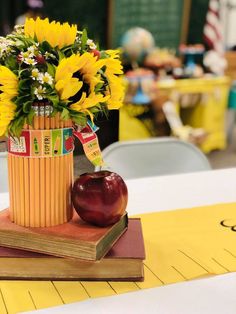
{"x": 151, "y": 157}
{"x": 3, "y": 172}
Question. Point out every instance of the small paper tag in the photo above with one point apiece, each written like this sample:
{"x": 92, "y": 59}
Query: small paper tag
{"x": 89, "y": 140}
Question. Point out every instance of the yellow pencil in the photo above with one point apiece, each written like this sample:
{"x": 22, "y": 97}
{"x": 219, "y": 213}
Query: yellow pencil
{"x": 42, "y": 173}
{"x": 52, "y": 181}
{"x": 47, "y": 172}
{"x": 57, "y": 181}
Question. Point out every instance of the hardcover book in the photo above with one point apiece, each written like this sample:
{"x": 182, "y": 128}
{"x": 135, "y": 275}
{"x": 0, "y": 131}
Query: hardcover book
{"x": 76, "y": 238}
{"x": 123, "y": 262}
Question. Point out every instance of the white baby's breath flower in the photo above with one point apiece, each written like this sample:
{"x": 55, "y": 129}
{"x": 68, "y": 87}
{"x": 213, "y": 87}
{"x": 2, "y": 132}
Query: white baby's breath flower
{"x": 29, "y": 61}
{"x": 25, "y": 54}
{"x": 45, "y": 78}
{"x": 32, "y": 49}
{"x": 5, "y": 47}
{"x": 19, "y": 29}
{"x": 49, "y": 55}
{"x": 35, "y": 74}
{"x": 40, "y": 92}
{"x": 91, "y": 44}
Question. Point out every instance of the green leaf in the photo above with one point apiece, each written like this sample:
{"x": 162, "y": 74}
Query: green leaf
{"x": 46, "y": 46}
{"x": 51, "y": 69}
{"x": 27, "y": 106}
{"x": 54, "y": 99}
{"x": 30, "y": 116}
{"x": 65, "y": 114}
{"x": 103, "y": 55}
{"x": 11, "y": 62}
{"x": 84, "y": 39}
{"x": 79, "y": 119}
{"x": 98, "y": 87}
{"x": 61, "y": 55}
{"x": 22, "y": 99}
{"x": 24, "y": 85}
{"x": 17, "y": 125}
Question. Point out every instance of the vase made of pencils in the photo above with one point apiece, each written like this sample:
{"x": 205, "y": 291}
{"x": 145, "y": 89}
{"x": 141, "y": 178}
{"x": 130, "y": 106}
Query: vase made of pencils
{"x": 40, "y": 165}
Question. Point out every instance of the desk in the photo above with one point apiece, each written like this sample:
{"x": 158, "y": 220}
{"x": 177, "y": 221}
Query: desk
{"x": 215, "y": 294}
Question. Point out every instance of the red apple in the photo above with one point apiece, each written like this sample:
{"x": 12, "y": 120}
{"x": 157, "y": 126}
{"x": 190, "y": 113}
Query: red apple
{"x": 100, "y": 198}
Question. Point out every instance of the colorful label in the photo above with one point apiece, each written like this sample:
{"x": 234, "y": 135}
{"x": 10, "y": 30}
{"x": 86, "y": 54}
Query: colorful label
{"x": 56, "y": 142}
{"x": 47, "y": 143}
{"x": 68, "y": 141}
{"x": 90, "y": 144}
{"x": 36, "y": 143}
{"x": 42, "y": 143}
{"x": 20, "y": 146}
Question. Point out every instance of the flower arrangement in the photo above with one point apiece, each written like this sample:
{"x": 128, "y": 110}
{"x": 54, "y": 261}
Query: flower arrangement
{"x": 44, "y": 61}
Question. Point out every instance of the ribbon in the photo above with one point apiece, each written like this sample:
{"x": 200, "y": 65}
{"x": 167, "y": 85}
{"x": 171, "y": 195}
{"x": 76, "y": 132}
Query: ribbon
{"x": 89, "y": 140}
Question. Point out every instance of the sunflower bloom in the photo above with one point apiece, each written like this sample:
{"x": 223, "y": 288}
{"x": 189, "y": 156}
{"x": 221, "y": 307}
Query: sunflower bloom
{"x": 116, "y": 86}
{"x": 7, "y": 112}
{"x": 56, "y": 34}
{"x": 8, "y": 84}
{"x": 8, "y": 90}
{"x": 76, "y": 74}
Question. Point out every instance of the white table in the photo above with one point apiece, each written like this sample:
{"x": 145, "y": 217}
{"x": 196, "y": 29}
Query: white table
{"x": 212, "y": 295}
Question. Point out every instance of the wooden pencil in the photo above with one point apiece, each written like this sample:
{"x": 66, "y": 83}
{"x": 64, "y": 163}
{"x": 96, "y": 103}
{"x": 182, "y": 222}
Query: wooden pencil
{"x": 14, "y": 188}
{"x": 34, "y": 175}
{"x": 52, "y": 181}
{"x": 21, "y": 216}
{"x": 26, "y": 188}
{"x": 42, "y": 172}
{"x": 11, "y": 180}
{"x": 58, "y": 179}
{"x": 47, "y": 172}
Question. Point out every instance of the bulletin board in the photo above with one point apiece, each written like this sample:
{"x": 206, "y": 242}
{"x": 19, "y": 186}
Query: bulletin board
{"x": 163, "y": 18}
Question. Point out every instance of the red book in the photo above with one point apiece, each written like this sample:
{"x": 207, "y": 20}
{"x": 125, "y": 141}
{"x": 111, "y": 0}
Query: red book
{"x": 76, "y": 238}
{"x": 124, "y": 262}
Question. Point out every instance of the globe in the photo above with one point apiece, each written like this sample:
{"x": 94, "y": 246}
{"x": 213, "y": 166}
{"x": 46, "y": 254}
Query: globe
{"x": 136, "y": 43}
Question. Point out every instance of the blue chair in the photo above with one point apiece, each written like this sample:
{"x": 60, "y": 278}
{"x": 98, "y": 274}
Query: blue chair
{"x": 153, "y": 157}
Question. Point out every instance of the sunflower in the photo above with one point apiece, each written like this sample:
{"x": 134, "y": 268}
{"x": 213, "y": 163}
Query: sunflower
{"x": 7, "y": 113}
{"x": 55, "y": 33}
{"x": 76, "y": 78}
{"x": 8, "y": 90}
{"x": 115, "y": 89}
{"x": 8, "y": 84}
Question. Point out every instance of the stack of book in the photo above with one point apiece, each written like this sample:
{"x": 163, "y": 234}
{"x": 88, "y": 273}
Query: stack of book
{"x": 72, "y": 251}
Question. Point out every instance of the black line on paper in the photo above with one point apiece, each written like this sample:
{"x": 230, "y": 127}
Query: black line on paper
{"x": 136, "y": 284}
{"x": 3, "y": 300}
{"x": 30, "y": 295}
{"x": 111, "y": 287}
{"x": 62, "y": 300}
{"x": 226, "y": 250}
{"x": 154, "y": 274}
{"x": 179, "y": 272}
{"x": 85, "y": 289}
{"x": 220, "y": 264}
{"x": 193, "y": 260}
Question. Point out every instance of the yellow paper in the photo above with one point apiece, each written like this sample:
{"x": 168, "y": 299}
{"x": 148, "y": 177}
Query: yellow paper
{"x": 180, "y": 245}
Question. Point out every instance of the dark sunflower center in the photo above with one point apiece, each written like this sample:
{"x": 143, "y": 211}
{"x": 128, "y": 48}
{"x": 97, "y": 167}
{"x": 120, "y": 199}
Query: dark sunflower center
{"x": 0, "y": 90}
{"x": 84, "y": 89}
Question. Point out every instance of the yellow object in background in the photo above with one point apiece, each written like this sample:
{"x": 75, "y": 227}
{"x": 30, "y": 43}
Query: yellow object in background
{"x": 208, "y": 113}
